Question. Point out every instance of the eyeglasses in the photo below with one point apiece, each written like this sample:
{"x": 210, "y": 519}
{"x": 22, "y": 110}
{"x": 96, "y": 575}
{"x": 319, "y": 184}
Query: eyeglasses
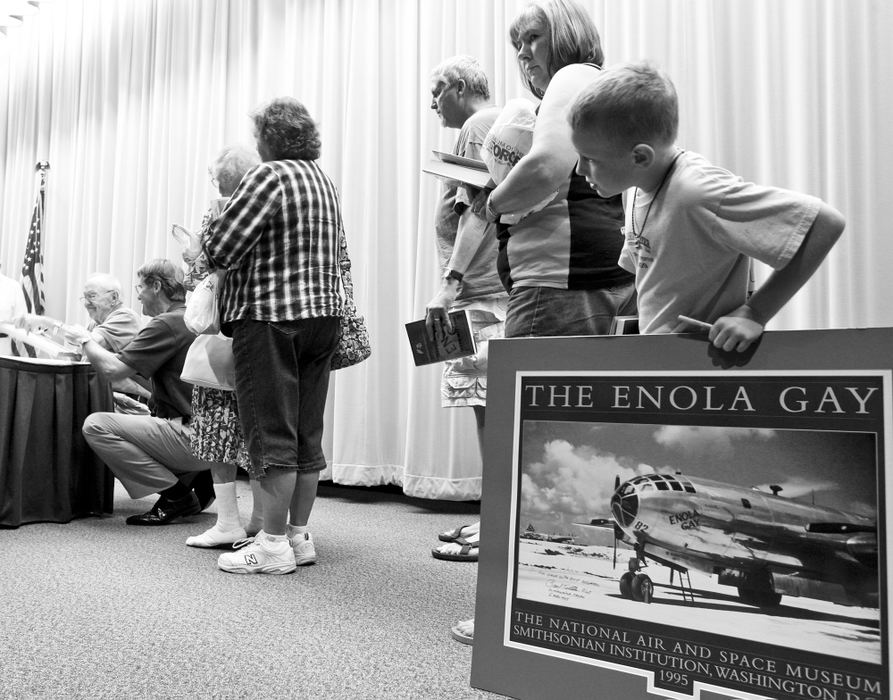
{"x": 93, "y": 296}
{"x": 139, "y": 287}
{"x": 214, "y": 180}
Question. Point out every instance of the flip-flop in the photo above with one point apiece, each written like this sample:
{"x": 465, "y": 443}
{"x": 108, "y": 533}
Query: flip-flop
{"x": 468, "y": 551}
{"x": 452, "y": 535}
{"x": 457, "y": 634}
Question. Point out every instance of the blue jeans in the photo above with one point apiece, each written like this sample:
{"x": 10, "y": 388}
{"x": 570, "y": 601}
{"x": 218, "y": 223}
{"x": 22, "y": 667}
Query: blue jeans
{"x": 542, "y": 311}
{"x": 282, "y": 379}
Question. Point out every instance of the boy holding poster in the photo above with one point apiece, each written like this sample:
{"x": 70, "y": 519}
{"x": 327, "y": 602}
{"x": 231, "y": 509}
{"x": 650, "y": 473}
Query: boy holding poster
{"x": 690, "y": 226}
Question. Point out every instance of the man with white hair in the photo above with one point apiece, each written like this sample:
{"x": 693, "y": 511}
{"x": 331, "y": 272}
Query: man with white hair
{"x": 466, "y": 247}
{"x": 112, "y": 324}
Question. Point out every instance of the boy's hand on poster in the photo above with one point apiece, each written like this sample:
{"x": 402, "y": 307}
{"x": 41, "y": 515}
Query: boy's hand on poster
{"x": 736, "y": 331}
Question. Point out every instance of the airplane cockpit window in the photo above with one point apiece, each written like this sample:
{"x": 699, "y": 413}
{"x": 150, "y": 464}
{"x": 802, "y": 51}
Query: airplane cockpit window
{"x": 628, "y": 488}
{"x": 675, "y": 485}
{"x": 662, "y": 485}
{"x": 745, "y": 503}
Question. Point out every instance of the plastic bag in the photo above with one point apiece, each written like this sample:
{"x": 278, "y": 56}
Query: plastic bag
{"x": 508, "y": 140}
{"x": 202, "y": 313}
{"x": 209, "y": 363}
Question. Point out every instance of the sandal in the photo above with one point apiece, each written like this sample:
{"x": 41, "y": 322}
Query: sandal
{"x": 452, "y": 535}
{"x": 468, "y": 551}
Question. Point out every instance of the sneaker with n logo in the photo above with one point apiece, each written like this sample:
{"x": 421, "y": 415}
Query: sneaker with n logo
{"x": 259, "y": 555}
{"x": 302, "y": 546}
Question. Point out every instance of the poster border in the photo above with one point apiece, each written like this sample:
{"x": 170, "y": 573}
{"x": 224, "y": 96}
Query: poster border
{"x": 841, "y": 353}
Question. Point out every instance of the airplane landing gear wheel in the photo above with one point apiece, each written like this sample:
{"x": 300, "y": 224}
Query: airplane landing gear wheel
{"x": 626, "y": 584}
{"x": 756, "y": 589}
{"x": 642, "y": 588}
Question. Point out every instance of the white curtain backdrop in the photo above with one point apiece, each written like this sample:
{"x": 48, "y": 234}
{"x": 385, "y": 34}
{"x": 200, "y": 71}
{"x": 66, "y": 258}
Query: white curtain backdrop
{"x": 129, "y": 101}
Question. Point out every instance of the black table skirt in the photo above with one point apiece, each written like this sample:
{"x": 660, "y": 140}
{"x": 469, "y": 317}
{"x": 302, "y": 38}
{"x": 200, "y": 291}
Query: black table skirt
{"x": 48, "y": 473}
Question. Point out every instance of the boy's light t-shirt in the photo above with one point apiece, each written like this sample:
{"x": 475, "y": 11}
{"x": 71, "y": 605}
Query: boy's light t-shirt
{"x": 691, "y": 254}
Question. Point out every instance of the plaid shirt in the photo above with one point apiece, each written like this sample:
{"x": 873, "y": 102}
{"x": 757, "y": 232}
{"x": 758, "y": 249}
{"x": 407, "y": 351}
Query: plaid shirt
{"x": 278, "y": 240}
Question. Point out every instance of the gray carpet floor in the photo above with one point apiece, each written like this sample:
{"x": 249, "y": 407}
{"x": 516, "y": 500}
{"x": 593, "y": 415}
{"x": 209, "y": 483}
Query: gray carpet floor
{"x": 98, "y": 609}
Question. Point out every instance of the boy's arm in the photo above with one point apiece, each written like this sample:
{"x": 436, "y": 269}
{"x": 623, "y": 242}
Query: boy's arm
{"x": 741, "y": 327}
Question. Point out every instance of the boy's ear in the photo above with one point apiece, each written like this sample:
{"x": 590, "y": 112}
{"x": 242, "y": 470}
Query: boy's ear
{"x": 460, "y": 86}
{"x": 643, "y": 155}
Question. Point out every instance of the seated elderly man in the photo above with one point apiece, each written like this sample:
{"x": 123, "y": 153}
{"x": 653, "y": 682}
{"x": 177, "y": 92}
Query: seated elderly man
{"x": 151, "y": 453}
{"x": 112, "y": 325}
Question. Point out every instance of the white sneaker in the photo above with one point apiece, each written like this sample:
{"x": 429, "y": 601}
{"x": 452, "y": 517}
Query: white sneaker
{"x": 215, "y": 538}
{"x": 304, "y": 551}
{"x": 260, "y": 556}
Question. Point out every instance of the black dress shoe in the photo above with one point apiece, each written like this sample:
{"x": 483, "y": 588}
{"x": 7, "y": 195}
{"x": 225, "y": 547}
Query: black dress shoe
{"x": 166, "y": 511}
{"x": 203, "y": 486}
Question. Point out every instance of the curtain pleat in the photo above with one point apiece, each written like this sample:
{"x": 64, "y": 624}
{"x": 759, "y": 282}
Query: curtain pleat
{"x": 130, "y": 100}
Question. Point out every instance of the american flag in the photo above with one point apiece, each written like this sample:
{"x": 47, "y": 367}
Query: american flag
{"x": 32, "y": 268}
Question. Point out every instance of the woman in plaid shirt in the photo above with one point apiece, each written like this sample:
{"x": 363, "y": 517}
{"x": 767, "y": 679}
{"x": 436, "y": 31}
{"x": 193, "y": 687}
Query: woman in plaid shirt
{"x": 277, "y": 239}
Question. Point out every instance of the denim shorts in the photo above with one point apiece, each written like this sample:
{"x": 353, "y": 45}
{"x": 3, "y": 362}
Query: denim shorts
{"x": 543, "y": 311}
{"x": 282, "y": 379}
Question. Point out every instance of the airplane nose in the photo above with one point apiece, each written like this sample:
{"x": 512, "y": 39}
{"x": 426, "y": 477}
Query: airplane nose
{"x": 625, "y": 508}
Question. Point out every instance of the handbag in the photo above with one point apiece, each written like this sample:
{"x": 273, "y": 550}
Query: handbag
{"x": 209, "y": 363}
{"x": 354, "y": 344}
{"x": 202, "y": 313}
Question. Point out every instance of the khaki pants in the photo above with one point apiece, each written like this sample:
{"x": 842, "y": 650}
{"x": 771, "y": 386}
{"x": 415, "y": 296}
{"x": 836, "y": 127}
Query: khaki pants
{"x": 145, "y": 453}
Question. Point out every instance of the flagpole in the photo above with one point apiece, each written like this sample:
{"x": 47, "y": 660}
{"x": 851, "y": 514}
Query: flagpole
{"x": 42, "y": 167}
{"x": 32, "y": 267}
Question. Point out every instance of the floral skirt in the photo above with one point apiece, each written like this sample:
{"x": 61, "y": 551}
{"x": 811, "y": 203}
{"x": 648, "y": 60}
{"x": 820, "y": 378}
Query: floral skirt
{"x": 216, "y": 430}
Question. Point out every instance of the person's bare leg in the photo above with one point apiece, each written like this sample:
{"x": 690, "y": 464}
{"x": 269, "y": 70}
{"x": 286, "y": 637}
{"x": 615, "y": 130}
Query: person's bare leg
{"x": 301, "y": 504}
{"x": 303, "y": 498}
{"x": 473, "y": 530}
{"x": 276, "y": 490}
{"x": 256, "y": 522}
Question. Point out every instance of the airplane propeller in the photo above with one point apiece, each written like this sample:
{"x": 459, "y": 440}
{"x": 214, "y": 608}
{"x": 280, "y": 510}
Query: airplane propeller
{"x": 618, "y": 533}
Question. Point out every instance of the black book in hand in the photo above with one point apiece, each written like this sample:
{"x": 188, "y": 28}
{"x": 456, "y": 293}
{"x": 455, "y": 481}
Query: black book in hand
{"x": 446, "y": 345}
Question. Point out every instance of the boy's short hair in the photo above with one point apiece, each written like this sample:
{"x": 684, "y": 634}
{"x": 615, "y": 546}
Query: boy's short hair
{"x": 629, "y": 104}
{"x": 451, "y": 70}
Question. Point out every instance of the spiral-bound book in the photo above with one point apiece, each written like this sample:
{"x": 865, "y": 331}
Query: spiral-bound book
{"x": 445, "y": 345}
